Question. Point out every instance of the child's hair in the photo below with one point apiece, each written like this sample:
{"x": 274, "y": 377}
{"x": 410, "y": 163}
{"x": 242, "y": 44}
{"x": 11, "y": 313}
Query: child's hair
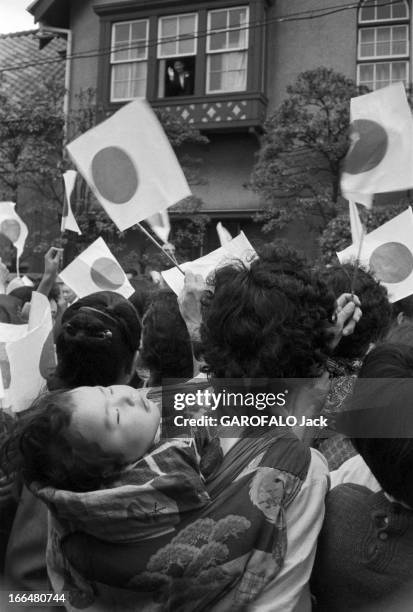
{"x": 43, "y": 449}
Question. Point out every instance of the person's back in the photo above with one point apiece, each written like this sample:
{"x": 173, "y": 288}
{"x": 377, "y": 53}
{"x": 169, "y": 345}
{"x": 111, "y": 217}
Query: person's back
{"x": 365, "y": 549}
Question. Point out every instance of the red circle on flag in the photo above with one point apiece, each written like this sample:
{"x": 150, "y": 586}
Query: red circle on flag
{"x": 392, "y": 262}
{"x": 369, "y": 142}
{"x": 115, "y": 175}
{"x": 107, "y": 274}
{"x": 11, "y": 229}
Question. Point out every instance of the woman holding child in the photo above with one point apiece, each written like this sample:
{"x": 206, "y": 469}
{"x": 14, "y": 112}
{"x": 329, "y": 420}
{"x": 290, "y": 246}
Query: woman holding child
{"x": 227, "y": 523}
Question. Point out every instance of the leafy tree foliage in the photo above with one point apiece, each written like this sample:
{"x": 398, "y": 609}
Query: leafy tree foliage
{"x": 337, "y": 234}
{"x": 31, "y": 133}
{"x": 305, "y": 140}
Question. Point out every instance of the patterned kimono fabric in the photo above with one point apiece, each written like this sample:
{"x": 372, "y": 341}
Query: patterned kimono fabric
{"x": 219, "y": 557}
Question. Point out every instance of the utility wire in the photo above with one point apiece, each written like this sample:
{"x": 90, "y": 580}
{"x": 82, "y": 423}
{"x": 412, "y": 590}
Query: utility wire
{"x": 306, "y": 15}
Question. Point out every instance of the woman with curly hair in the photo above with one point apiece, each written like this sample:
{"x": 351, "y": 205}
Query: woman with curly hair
{"x": 268, "y": 321}
{"x": 253, "y": 546}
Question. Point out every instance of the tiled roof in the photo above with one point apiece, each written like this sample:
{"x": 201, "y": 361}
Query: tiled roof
{"x": 29, "y": 65}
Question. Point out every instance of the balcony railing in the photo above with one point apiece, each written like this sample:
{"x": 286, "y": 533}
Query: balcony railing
{"x": 219, "y": 111}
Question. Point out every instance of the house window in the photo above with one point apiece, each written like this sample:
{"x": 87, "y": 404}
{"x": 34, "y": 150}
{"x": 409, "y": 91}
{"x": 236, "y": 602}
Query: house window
{"x": 383, "y": 50}
{"x": 129, "y": 55}
{"x": 177, "y": 47}
{"x": 377, "y": 10}
{"x": 227, "y": 50}
{"x": 383, "y": 42}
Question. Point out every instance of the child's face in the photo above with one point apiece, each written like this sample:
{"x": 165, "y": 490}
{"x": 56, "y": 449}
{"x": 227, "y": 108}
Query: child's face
{"x": 119, "y": 418}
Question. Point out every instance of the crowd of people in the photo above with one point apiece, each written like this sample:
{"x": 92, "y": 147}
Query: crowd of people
{"x": 101, "y": 502}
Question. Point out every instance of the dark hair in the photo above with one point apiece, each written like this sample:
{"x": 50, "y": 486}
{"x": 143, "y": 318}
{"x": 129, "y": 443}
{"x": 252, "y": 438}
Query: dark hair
{"x": 375, "y": 306}
{"x": 383, "y": 407}
{"x": 145, "y": 291}
{"x": 166, "y": 345}
{"x": 22, "y": 293}
{"x": 10, "y": 310}
{"x": 41, "y": 449}
{"x": 97, "y": 341}
{"x": 266, "y": 321}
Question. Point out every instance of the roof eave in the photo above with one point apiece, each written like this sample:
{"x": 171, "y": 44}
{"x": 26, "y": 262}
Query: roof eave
{"x": 51, "y": 12}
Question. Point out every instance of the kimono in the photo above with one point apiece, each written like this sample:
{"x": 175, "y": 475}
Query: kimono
{"x": 218, "y": 556}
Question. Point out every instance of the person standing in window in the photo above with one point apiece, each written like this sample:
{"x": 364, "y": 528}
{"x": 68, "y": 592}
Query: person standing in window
{"x": 179, "y": 82}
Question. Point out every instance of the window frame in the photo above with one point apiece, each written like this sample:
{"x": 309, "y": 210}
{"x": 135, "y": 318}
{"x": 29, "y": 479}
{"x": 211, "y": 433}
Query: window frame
{"x": 387, "y": 19}
{"x": 373, "y": 60}
{"x": 375, "y": 64}
{"x": 113, "y": 62}
{"x": 159, "y": 40}
{"x": 209, "y": 52}
{"x": 254, "y": 80}
{"x": 375, "y": 42}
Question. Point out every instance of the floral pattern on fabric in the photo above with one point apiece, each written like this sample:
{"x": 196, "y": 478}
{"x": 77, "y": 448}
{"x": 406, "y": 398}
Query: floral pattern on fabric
{"x": 219, "y": 557}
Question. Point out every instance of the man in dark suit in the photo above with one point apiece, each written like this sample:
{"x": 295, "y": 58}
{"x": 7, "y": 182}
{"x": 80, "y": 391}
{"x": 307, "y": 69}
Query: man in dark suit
{"x": 179, "y": 82}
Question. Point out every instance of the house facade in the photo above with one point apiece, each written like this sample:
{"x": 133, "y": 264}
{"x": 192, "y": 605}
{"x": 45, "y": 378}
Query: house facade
{"x": 223, "y": 66}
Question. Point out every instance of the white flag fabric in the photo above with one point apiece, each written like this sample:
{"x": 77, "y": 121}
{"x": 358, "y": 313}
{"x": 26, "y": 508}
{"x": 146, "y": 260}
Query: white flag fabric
{"x": 8, "y": 333}
{"x": 160, "y": 225}
{"x": 96, "y": 269}
{"x": 380, "y": 158}
{"x": 29, "y": 356}
{"x": 68, "y": 220}
{"x": 12, "y": 226}
{"x": 388, "y": 253}
{"x": 355, "y": 223}
{"x": 238, "y": 249}
{"x": 130, "y": 165}
{"x": 223, "y": 234}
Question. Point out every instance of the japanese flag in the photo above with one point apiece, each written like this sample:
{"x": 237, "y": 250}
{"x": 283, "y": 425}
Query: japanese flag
{"x": 130, "y": 166}
{"x": 223, "y": 234}
{"x": 96, "y": 269}
{"x": 29, "y": 356}
{"x": 238, "y": 248}
{"x": 12, "y": 226}
{"x": 388, "y": 253}
{"x": 380, "y": 158}
{"x": 68, "y": 220}
{"x": 160, "y": 225}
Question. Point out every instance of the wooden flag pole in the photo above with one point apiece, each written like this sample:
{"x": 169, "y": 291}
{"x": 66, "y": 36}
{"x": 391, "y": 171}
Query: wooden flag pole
{"x": 353, "y": 280}
{"x": 173, "y": 260}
